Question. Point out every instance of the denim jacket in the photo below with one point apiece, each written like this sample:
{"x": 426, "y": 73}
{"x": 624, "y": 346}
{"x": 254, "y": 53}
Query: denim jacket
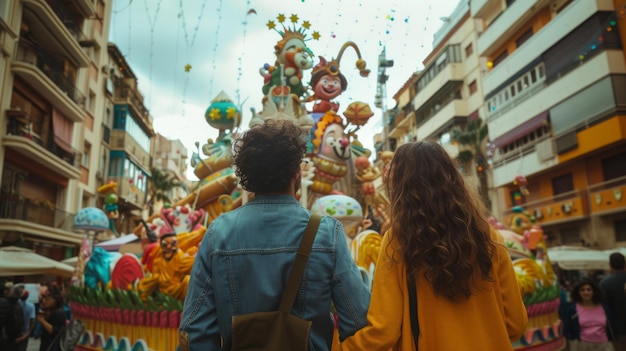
{"x": 243, "y": 264}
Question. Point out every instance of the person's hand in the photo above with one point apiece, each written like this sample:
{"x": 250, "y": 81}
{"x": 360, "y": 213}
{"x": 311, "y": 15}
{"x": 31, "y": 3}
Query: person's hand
{"x": 21, "y": 338}
{"x": 41, "y": 316}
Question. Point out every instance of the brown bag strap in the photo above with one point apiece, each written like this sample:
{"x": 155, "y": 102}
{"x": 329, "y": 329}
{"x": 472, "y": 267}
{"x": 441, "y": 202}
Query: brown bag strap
{"x": 297, "y": 270}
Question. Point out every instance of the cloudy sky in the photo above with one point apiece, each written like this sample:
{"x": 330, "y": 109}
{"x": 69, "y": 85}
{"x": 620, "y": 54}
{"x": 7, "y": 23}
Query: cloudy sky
{"x": 226, "y": 42}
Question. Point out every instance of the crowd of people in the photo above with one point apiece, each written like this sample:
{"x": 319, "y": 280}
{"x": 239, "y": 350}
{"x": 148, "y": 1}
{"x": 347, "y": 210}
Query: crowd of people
{"x": 440, "y": 258}
{"x": 444, "y": 279}
{"x": 21, "y": 319}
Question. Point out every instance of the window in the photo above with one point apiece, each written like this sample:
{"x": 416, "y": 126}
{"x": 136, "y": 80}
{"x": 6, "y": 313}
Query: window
{"x": 614, "y": 166}
{"x": 469, "y": 50}
{"x": 472, "y": 87}
{"x": 86, "y": 152}
{"x": 533, "y": 76}
{"x": 91, "y": 102}
{"x": 522, "y": 38}
{"x": 94, "y": 54}
{"x": 500, "y": 58}
{"x": 562, "y": 184}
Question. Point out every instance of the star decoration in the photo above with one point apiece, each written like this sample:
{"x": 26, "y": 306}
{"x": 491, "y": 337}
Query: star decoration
{"x": 306, "y": 24}
{"x": 215, "y": 114}
{"x": 271, "y": 25}
{"x": 294, "y": 18}
{"x": 187, "y": 67}
{"x": 281, "y": 18}
{"x": 230, "y": 112}
{"x": 316, "y": 35}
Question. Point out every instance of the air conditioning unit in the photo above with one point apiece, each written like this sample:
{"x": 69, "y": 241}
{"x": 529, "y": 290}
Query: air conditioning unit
{"x": 545, "y": 150}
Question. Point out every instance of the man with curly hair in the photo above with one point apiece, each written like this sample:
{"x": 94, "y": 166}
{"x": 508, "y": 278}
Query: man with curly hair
{"x": 246, "y": 255}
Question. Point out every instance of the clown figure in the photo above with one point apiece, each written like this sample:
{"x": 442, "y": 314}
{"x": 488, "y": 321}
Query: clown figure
{"x": 172, "y": 260}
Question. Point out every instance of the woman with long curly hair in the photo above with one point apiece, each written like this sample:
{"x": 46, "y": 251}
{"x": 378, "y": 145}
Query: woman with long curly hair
{"x": 440, "y": 241}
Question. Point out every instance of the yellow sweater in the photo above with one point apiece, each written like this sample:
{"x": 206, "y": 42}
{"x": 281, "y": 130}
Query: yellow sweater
{"x": 488, "y": 321}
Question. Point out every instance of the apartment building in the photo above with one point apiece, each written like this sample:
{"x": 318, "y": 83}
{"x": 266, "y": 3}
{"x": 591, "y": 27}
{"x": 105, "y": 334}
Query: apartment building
{"x": 48, "y": 114}
{"x": 554, "y": 81}
{"x": 171, "y": 158}
{"x": 71, "y": 120}
{"x": 446, "y": 94}
{"x": 127, "y": 140}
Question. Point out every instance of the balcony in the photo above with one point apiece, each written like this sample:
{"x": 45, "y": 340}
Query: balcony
{"x": 61, "y": 35}
{"x": 34, "y": 217}
{"x": 452, "y": 113}
{"x": 453, "y": 72}
{"x": 37, "y": 144}
{"x": 86, "y": 7}
{"x": 533, "y": 157}
{"x": 480, "y": 7}
{"x": 125, "y": 94}
{"x": 120, "y": 140}
{"x": 567, "y": 207}
{"x": 608, "y": 197}
{"x": 130, "y": 193}
{"x": 559, "y": 27}
{"x": 46, "y": 77}
{"x": 507, "y": 23}
{"x": 402, "y": 124}
{"x": 549, "y": 96}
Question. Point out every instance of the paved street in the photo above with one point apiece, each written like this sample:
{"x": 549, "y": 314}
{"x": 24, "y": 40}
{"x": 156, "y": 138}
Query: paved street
{"x": 33, "y": 344}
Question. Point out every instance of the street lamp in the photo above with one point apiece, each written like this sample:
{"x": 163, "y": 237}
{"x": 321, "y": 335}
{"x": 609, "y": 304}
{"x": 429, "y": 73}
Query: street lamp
{"x": 380, "y": 100}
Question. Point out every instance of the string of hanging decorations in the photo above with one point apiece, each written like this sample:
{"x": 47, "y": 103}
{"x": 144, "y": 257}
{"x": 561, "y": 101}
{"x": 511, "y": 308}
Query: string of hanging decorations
{"x": 190, "y": 39}
{"x": 250, "y": 12}
{"x": 152, "y": 22}
{"x": 215, "y": 47}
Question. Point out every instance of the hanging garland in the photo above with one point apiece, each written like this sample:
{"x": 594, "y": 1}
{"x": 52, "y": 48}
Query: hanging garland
{"x": 152, "y": 22}
{"x": 250, "y": 11}
{"x": 189, "y": 41}
{"x": 215, "y": 47}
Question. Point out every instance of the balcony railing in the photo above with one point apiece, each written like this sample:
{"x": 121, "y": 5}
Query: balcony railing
{"x": 68, "y": 19}
{"x": 560, "y": 208}
{"x": 598, "y": 199}
{"x": 36, "y": 211}
{"x": 51, "y": 68}
{"x": 129, "y": 95}
{"x": 37, "y": 132}
{"x": 608, "y": 196}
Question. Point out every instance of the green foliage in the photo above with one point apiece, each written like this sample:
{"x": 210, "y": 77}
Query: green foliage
{"x": 161, "y": 184}
{"x": 471, "y": 140}
{"x": 465, "y": 156}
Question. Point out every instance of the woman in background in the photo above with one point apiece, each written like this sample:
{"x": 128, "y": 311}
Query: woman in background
{"x": 467, "y": 292}
{"x": 585, "y": 320}
{"x": 52, "y": 318}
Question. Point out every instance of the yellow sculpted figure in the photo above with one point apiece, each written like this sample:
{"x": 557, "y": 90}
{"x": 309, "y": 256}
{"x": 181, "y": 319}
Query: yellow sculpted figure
{"x": 171, "y": 262}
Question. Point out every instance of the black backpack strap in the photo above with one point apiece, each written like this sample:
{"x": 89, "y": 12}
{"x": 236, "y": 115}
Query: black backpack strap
{"x": 415, "y": 326}
{"x": 297, "y": 270}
